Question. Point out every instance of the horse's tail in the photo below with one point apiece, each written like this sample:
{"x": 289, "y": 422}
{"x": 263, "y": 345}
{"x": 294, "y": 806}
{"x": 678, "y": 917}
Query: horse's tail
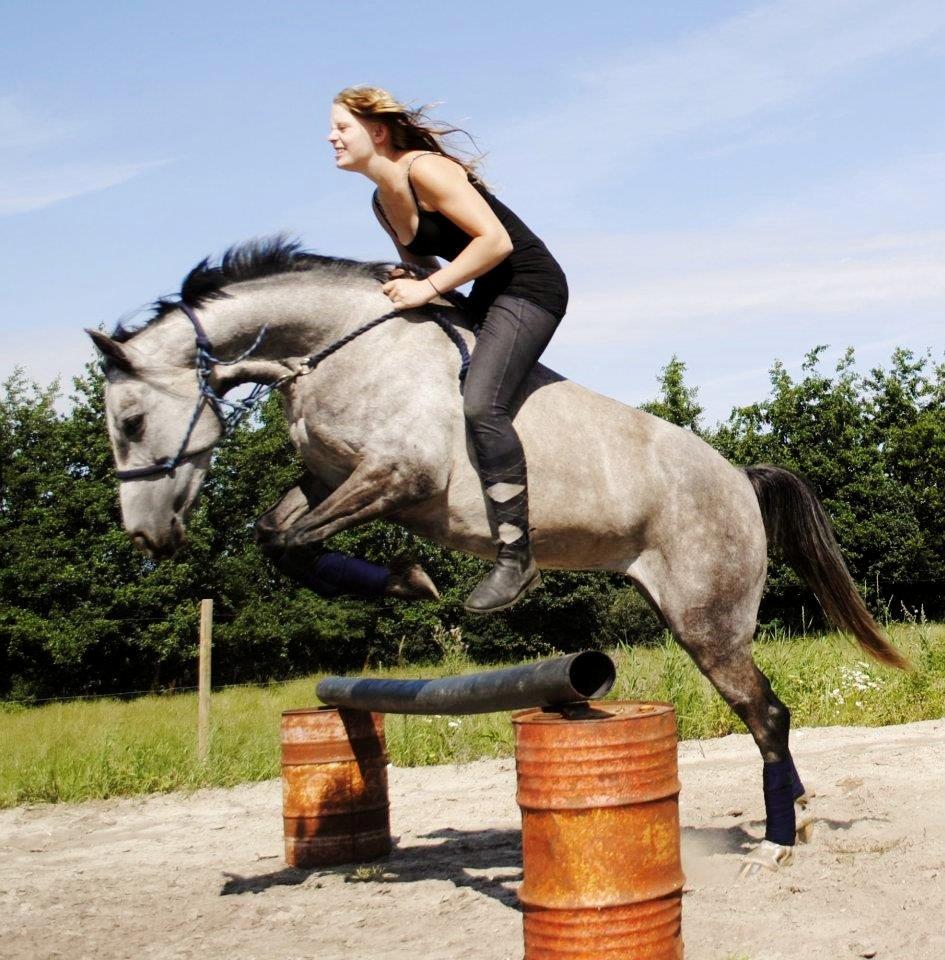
{"x": 797, "y": 525}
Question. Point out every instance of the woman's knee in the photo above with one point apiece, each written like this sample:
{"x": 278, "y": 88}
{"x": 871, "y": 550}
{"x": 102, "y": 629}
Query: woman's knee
{"x": 477, "y": 406}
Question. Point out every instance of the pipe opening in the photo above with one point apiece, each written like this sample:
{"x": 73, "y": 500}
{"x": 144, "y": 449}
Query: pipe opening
{"x": 592, "y": 674}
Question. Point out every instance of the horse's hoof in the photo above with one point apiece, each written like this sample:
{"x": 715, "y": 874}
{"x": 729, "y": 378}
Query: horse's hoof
{"x": 766, "y": 856}
{"x": 805, "y": 820}
{"x": 805, "y": 830}
{"x": 411, "y": 583}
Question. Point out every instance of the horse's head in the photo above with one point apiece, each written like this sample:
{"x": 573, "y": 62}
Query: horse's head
{"x": 149, "y": 407}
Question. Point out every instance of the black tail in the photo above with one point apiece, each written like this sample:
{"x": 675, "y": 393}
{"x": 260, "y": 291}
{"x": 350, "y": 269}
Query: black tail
{"x": 797, "y": 525}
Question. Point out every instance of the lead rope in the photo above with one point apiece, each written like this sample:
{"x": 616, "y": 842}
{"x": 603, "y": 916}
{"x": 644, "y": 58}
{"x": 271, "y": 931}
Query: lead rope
{"x": 240, "y": 409}
{"x": 310, "y": 363}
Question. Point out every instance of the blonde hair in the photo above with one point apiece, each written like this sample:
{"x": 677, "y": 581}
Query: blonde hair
{"x": 409, "y": 129}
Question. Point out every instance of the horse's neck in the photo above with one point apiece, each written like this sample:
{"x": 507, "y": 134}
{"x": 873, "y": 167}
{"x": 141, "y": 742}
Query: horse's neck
{"x": 299, "y": 319}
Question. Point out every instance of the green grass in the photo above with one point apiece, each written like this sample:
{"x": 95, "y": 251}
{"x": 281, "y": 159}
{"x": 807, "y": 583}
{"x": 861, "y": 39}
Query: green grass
{"x": 106, "y": 748}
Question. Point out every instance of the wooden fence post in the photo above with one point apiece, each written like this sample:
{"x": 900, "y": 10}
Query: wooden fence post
{"x": 203, "y": 682}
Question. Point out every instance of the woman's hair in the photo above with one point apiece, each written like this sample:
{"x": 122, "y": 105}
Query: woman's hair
{"x": 409, "y": 129}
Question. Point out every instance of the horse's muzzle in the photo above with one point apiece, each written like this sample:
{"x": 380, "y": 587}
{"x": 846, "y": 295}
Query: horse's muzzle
{"x": 162, "y": 549}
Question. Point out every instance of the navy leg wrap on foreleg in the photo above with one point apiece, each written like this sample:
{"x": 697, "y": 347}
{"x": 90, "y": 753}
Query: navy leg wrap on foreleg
{"x": 334, "y": 574}
{"x": 778, "y": 783}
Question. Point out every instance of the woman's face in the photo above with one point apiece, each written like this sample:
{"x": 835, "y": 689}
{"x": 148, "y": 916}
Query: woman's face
{"x": 352, "y": 139}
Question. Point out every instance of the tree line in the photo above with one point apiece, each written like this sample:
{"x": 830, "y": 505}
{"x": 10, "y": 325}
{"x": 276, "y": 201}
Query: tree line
{"x": 82, "y": 612}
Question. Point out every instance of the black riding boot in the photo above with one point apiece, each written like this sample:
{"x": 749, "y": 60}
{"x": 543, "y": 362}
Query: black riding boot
{"x": 515, "y": 572}
{"x": 513, "y": 575}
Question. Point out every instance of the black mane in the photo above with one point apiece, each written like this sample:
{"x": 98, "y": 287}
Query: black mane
{"x": 252, "y": 260}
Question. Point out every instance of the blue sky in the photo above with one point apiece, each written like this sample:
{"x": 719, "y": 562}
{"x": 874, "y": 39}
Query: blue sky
{"x": 728, "y": 182}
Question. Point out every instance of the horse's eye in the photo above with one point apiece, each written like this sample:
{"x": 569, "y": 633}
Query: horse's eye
{"x": 133, "y": 427}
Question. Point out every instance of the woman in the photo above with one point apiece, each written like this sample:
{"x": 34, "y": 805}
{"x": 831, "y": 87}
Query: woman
{"x": 433, "y": 205}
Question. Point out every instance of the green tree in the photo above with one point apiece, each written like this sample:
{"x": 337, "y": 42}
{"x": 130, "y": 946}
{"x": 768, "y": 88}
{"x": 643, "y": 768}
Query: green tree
{"x": 81, "y": 611}
{"x": 835, "y": 430}
{"x": 907, "y": 403}
{"x": 676, "y": 402}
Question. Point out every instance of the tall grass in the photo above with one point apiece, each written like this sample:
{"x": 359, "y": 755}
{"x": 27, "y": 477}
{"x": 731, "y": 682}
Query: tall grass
{"x": 106, "y": 748}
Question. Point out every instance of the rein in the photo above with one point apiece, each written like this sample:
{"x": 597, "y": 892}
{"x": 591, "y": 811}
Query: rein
{"x": 240, "y": 409}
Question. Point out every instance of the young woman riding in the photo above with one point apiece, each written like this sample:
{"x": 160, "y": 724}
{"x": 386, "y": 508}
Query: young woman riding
{"x": 433, "y": 205}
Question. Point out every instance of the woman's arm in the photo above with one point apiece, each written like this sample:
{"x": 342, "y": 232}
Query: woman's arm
{"x": 442, "y": 184}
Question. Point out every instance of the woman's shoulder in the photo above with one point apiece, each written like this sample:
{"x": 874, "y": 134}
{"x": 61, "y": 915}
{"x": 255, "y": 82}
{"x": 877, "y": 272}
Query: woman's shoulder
{"x": 432, "y": 170}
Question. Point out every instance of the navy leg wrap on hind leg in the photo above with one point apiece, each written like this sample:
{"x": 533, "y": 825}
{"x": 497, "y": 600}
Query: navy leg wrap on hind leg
{"x": 778, "y": 780}
{"x": 334, "y": 574}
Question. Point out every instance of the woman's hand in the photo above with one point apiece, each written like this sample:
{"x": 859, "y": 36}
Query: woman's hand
{"x": 408, "y": 294}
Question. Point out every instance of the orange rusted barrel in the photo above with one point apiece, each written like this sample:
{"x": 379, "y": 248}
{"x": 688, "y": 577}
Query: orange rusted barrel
{"x": 335, "y": 805}
{"x": 598, "y": 787}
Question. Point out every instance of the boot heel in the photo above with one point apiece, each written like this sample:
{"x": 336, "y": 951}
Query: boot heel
{"x": 533, "y": 584}
{"x": 492, "y": 595}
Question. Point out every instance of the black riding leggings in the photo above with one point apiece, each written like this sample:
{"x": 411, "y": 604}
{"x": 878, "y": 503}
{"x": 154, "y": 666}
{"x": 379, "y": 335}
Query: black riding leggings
{"x": 512, "y": 337}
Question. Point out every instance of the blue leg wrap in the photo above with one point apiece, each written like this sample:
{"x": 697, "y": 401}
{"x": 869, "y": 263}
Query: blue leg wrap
{"x": 336, "y": 573}
{"x": 778, "y": 783}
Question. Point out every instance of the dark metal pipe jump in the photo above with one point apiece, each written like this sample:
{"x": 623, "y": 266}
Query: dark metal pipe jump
{"x": 560, "y": 680}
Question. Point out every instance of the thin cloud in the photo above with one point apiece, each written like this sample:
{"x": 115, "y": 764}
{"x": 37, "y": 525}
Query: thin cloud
{"x": 767, "y": 135}
{"x": 870, "y": 242}
{"x": 34, "y": 189}
{"x": 887, "y": 273}
{"x": 21, "y": 129}
{"x": 750, "y": 66}
{"x": 40, "y": 165}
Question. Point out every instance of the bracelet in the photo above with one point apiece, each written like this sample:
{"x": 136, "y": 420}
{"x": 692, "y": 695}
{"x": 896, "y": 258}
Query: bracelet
{"x": 432, "y": 284}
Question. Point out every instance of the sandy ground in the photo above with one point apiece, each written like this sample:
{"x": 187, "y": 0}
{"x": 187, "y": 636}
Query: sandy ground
{"x": 201, "y": 875}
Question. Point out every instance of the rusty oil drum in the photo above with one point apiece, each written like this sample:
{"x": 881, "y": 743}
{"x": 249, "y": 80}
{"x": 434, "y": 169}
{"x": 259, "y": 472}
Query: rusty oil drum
{"x": 335, "y": 804}
{"x": 598, "y": 788}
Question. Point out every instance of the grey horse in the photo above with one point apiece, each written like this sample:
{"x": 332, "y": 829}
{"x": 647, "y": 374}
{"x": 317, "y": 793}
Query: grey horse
{"x": 379, "y": 426}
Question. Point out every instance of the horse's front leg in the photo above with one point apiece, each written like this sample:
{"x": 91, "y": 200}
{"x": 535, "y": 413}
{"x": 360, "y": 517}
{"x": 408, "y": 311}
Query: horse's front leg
{"x": 374, "y": 489}
{"x": 331, "y": 574}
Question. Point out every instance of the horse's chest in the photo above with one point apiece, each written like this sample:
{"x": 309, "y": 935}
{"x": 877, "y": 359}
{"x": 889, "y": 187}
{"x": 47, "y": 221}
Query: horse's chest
{"x": 325, "y": 454}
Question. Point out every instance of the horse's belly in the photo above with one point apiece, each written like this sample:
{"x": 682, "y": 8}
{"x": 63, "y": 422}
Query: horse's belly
{"x": 574, "y": 524}
{"x": 606, "y": 484}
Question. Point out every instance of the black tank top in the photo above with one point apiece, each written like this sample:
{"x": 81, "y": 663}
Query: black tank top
{"x": 529, "y": 271}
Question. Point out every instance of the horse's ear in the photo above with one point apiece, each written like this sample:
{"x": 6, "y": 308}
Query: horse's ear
{"x": 111, "y": 350}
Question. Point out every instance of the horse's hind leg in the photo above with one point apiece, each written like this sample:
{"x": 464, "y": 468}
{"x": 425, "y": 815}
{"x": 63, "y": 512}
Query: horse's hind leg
{"x": 717, "y": 633}
{"x": 748, "y": 692}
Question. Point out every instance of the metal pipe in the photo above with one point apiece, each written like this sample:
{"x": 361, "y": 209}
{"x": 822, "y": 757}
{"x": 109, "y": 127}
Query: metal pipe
{"x": 580, "y": 676}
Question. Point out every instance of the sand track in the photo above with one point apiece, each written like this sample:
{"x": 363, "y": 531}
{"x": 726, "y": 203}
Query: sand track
{"x": 201, "y": 875}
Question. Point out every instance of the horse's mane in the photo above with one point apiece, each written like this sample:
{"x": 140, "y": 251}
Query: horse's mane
{"x": 252, "y": 260}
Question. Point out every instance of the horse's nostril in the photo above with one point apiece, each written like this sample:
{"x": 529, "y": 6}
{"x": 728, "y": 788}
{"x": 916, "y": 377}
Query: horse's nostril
{"x": 178, "y": 533}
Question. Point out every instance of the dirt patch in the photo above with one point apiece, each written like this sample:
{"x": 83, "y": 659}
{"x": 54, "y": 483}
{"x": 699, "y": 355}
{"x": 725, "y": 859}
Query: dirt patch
{"x": 201, "y": 875}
